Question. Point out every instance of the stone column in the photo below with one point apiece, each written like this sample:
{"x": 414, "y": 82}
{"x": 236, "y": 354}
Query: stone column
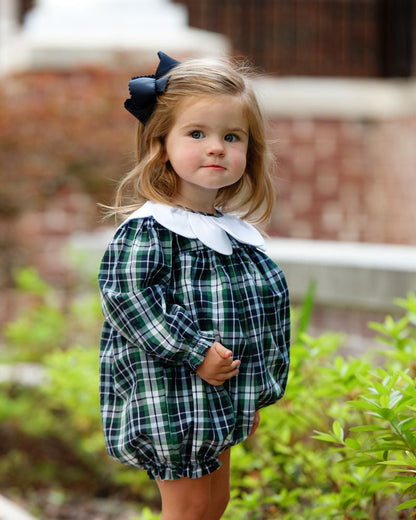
{"x": 62, "y": 33}
{"x": 8, "y": 29}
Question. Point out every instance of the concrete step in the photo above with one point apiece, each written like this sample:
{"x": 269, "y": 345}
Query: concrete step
{"x": 10, "y": 511}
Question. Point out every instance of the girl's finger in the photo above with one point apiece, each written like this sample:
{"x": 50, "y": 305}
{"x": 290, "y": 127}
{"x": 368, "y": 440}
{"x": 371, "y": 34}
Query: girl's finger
{"x": 226, "y": 369}
{"x": 225, "y": 353}
{"x": 230, "y": 374}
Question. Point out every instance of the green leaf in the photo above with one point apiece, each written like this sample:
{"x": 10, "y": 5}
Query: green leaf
{"x": 406, "y": 505}
{"x": 367, "y": 428}
{"x": 338, "y": 430}
{"x": 352, "y": 443}
{"x": 395, "y": 463}
{"x": 326, "y": 437}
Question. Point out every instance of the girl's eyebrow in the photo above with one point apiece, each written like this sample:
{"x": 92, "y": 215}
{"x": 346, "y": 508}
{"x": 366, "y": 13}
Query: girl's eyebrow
{"x": 238, "y": 129}
{"x": 193, "y": 125}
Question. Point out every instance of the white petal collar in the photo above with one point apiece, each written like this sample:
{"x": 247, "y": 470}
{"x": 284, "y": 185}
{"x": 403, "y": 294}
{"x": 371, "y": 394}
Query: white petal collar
{"x": 211, "y": 230}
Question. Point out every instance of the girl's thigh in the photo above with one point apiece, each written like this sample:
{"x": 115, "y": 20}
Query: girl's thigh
{"x": 220, "y": 479}
{"x": 220, "y": 489}
{"x": 196, "y": 499}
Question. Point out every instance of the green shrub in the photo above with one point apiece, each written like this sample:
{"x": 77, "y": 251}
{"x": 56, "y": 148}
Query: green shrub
{"x": 364, "y": 413}
{"x": 383, "y": 442}
{"x": 51, "y": 434}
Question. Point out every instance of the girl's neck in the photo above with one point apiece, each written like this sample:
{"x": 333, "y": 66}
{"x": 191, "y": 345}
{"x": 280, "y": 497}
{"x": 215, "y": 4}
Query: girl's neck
{"x": 201, "y": 206}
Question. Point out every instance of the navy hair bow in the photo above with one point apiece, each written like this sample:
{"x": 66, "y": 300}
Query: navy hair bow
{"x": 145, "y": 89}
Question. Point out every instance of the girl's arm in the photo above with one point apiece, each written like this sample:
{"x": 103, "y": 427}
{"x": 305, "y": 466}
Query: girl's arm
{"x": 133, "y": 280}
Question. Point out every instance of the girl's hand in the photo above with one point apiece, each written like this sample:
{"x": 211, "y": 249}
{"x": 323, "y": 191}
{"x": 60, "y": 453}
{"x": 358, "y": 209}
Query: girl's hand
{"x": 218, "y": 365}
{"x": 256, "y": 423}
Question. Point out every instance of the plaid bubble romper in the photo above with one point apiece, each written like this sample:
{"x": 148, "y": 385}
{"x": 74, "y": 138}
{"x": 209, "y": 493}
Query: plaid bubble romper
{"x": 172, "y": 282}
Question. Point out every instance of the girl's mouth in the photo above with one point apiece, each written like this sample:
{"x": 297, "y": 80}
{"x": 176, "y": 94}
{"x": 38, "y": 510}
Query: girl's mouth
{"x": 215, "y": 166}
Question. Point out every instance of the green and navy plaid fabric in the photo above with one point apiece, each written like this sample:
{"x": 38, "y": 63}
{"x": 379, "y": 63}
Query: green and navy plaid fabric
{"x": 166, "y": 299}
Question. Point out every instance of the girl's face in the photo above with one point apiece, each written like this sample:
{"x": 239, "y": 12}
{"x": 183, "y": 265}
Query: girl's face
{"x": 207, "y": 148}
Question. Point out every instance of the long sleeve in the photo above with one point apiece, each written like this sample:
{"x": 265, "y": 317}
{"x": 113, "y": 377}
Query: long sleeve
{"x": 282, "y": 337}
{"x": 134, "y": 283}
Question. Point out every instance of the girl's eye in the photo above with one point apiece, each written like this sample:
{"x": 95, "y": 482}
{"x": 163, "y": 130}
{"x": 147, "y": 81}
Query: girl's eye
{"x": 230, "y": 138}
{"x": 196, "y": 134}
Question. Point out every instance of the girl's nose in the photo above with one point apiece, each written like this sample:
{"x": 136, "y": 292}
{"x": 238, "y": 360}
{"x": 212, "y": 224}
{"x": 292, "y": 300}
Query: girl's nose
{"x": 215, "y": 147}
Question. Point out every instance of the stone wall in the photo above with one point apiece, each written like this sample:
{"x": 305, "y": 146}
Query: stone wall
{"x": 354, "y": 282}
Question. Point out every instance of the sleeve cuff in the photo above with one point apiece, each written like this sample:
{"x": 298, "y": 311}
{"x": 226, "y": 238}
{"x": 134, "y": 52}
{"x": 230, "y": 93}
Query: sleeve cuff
{"x": 202, "y": 342}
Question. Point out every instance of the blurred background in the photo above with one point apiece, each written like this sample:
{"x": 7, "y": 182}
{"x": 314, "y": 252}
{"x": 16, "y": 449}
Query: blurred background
{"x": 337, "y": 82}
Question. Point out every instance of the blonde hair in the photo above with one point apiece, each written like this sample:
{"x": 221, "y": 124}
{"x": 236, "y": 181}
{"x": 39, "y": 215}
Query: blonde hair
{"x": 252, "y": 197}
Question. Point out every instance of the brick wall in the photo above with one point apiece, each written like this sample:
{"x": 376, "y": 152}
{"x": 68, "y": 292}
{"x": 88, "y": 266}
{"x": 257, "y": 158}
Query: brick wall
{"x": 346, "y": 180}
{"x": 356, "y": 38}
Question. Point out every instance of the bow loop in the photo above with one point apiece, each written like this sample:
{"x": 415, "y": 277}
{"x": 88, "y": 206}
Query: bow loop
{"x": 166, "y": 63}
{"x": 142, "y": 90}
{"x": 145, "y": 89}
{"x": 160, "y": 85}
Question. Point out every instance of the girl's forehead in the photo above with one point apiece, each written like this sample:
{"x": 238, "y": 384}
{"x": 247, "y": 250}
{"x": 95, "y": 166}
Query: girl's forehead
{"x": 208, "y": 105}
{"x": 205, "y": 101}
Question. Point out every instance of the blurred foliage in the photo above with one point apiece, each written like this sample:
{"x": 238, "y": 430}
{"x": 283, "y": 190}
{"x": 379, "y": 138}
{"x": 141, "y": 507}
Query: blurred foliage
{"x": 340, "y": 445}
{"x": 51, "y": 319}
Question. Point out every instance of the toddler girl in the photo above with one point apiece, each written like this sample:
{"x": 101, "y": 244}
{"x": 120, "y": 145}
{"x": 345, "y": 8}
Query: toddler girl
{"x": 196, "y": 332}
